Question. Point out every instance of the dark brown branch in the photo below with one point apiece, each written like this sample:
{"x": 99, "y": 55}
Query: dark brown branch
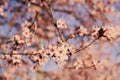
{"x": 100, "y": 34}
{"x": 18, "y": 54}
{"x": 54, "y": 21}
{"x": 78, "y": 50}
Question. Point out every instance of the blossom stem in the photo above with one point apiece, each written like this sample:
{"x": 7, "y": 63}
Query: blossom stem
{"x": 78, "y": 50}
{"x": 16, "y": 54}
{"x": 54, "y": 21}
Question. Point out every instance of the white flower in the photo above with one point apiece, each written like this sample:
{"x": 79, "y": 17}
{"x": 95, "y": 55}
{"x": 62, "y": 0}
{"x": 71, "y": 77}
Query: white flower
{"x": 112, "y": 31}
{"x": 25, "y": 24}
{"x": 19, "y": 38}
{"x": 61, "y": 24}
{"x": 26, "y": 32}
{"x": 83, "y": 31}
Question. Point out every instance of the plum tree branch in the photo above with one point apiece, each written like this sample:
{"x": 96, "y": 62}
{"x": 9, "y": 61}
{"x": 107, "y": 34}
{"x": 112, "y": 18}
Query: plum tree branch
{"x": 54, "y": 21}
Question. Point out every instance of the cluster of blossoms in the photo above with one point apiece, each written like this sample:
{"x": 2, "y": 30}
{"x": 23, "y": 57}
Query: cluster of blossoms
{"x": 108, "y": 31}
{"x": 112, "y": 32}
{"x": 42, "y": 39}
{"x": 60, "y": 54}
{"x": 19, "y": 42}
{"x": 26, "y": 37}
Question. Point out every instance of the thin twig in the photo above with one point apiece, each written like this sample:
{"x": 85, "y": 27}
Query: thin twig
{"x": 78, "y": 50}
{"x": 17, "y": 54}
{"x": 54, "y": 21}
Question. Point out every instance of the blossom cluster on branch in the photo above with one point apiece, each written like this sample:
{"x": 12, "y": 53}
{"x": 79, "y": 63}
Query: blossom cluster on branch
{"x": 83, "y": 41}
